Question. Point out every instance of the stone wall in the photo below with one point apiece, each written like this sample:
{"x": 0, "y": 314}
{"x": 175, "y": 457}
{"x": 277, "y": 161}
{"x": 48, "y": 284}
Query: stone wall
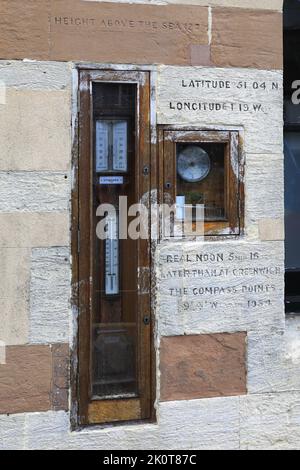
{"x": 248, "y": 395}
{"x": 35, "y": 213}
{"x": 189, "y": 34}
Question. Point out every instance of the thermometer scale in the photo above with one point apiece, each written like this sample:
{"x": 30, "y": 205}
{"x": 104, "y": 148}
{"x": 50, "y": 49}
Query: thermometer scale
{"x": 112, "y": 257}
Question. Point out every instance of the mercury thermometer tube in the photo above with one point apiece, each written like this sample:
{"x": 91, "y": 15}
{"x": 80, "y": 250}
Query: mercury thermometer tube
{"x": 112, "y": 257}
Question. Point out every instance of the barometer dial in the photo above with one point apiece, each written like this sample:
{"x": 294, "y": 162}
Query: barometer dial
{"x": 193, "y": 164}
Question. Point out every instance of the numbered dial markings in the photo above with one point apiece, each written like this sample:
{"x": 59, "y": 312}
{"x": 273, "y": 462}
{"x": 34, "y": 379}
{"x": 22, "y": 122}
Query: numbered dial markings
{"x": 193, "y": 164}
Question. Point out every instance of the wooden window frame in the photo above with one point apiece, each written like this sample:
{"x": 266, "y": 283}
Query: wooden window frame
{"x": 90, "y": 412}
{"x": 170, "y": 136}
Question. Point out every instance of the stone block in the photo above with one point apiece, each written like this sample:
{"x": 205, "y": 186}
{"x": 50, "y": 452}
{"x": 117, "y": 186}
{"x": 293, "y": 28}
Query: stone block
{"x": 26, "y": 380}
{"x": 247, "y": 38}
{"x": 270, "y": 422}
{"x": 203, "y": 366}
{"x": 246, "y": 100}
{"x": 34, "y": 191}
{"x": 14, "y": 295}
{"x": 271, "y": 229}
{"x": 50, "y": 291}
{"x": 35, "y": 129}
{"x": 214, "y": 287}
{"x": 24, "y": 29}
{"x": 34, "y": 379}
{"x": 264, "y": 189}
{"x": 28, "y": 229}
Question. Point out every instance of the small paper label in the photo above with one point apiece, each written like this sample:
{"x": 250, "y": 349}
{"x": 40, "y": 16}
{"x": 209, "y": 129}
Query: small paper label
{"x": 111, "y": 180}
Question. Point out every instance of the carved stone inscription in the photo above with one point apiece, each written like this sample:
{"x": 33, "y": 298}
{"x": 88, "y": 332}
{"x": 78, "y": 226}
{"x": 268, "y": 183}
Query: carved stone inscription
{"x": 237, "y": 97}
{"x": 238, "y": 290}
{"x": 125, "y": 33}
{"x": 219, "y": 85}
{"x": 115, "y": 24}
{"x": 231, "y": 285}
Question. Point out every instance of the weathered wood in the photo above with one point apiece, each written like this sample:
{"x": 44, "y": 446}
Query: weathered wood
{"x": 95, "y": 310}
{"x": 169, "y": 136}
{"x": 114, "y": 410}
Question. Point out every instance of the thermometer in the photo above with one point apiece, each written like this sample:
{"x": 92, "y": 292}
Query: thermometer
{"x": 112, "y": 257}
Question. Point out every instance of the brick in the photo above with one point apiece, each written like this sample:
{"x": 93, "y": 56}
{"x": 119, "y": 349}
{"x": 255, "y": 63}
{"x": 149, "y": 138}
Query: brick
{"x": 253, "y": 4}
{"x": 34, "y": 379}
{"x": 203, "y": 366}
{"x": 24, "y": 29}
{"x": 25, "y": 380}
{"x": 60, "y": 376}
{"x": 158, "y": 41}
{"x": 247, "y": 38}
{"x": 200, "y": 55}
{"x": 142, "y": 33}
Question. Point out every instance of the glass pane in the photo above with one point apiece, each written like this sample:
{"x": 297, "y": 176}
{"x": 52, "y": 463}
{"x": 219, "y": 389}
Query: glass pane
{"x": 114, "y": 331}
{"x": 201, "y": 178}
{"x": 291, "y": 112}
{"x": 292, "y": 199}
{"x": 291, "y": 17}
{"x": 114, "y": 360}
{"x": 111, "y": 146}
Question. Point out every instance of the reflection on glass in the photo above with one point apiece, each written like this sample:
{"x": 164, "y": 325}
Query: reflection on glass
{"x": 112, "y": 256}
{"x": 114, "y": 331}
{"x": 292, "y": 199}
{"x": 111, "y": 146}
{"x": 201, "y": 179}
{"x": 114, "y": 361}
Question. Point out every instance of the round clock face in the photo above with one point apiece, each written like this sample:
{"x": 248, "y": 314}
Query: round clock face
{"x": 193, "y": 164}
